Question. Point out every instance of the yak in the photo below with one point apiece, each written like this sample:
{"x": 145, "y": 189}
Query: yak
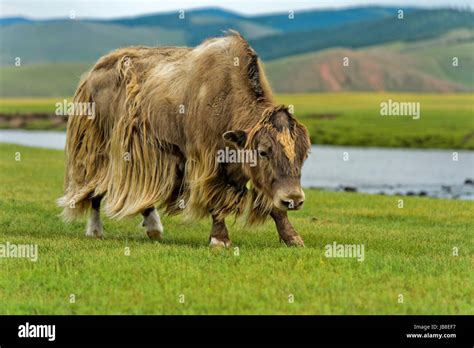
{"x": 161, "y": 114}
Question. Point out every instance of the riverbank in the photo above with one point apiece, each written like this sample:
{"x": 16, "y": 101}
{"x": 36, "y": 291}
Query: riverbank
{"x": 422, "y": 251}
{"x": 445, "y": 121}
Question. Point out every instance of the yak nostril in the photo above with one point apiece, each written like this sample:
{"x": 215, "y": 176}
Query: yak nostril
{"x": 292, "y": 204}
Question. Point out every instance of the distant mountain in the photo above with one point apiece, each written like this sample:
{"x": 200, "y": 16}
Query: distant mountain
{"x": 13, "y": 20}
{"x": 173, "y": 18}
{"x": 273, "y": 36}
{"x": 206, "y": 22}
{"x": 303, "y": 19}
{"x": 417, "y": 25}
{"x": 200, "y": 24}
{"x": 308, "y": 20}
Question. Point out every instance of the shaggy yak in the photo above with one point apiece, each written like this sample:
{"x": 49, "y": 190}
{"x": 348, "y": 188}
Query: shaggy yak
{"x": 161, "y": 116}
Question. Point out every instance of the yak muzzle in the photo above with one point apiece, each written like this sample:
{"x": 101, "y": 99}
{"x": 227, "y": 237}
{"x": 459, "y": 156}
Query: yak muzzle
{"x": 292, "y": 200}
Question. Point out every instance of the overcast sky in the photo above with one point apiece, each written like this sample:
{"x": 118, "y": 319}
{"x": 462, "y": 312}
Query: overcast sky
{"x": 121, "y": 8}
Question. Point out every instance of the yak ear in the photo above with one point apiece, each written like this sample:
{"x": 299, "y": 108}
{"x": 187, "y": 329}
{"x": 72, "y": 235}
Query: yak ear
{"x": 237, "y": 137}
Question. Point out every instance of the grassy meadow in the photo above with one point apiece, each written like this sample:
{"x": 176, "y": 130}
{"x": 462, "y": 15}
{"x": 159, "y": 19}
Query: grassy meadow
{"x": 408, "y": 251}
{"x": 18, "y": 105}
{"x": 446, "y": 120}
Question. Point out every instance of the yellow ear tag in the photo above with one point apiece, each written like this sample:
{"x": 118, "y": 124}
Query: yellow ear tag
{"x": 248, "y": 185}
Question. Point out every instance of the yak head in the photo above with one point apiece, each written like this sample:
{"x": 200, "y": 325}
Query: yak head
{"x": 281, "y": 145}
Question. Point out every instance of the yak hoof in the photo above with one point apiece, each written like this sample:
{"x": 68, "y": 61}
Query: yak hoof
{"x": 218, "y": 243}
{"x": 94, "y": 228}
{"x": 294, "y": 241}
{"x": 155, "y": 235}
{"x": 94, "y": 231}
{"x": 154, "y": 228}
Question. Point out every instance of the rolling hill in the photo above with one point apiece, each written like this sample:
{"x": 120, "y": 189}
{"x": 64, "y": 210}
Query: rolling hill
{"x": 75, "y": 41}
{"x": 41, "y": 80}
{"x": 419, "y": 66}
{"x": 435, "y": 56}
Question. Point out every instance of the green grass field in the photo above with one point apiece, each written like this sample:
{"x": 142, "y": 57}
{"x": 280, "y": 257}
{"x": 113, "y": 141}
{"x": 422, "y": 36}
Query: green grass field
{"x": 408, "y": 251}
{"x": 10, "y": 106}
{"x": 447, "y": 120}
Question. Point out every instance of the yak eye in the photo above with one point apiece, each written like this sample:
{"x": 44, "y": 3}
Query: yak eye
{"x": 262, "y": 153}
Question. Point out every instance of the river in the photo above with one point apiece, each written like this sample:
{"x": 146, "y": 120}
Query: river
{"x": 435, "y": 173}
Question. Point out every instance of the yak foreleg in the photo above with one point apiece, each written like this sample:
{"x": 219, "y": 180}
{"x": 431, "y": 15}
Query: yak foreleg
{"x": 285, "y": 229}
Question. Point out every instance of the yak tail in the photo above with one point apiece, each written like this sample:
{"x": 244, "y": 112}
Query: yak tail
{"x": 86, "y": 160}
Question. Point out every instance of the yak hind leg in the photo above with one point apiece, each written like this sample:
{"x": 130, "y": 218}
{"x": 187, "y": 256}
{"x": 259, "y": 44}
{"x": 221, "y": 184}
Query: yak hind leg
{"x": 94, "y": 225}
{"x": 219, "y": 235}
{"x": 152, "y": 223}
